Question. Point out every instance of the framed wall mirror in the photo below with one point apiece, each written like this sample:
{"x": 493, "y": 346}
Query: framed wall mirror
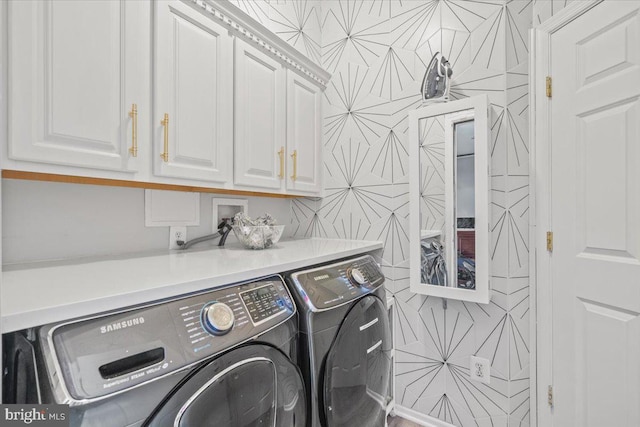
{"x": 450, "y": 199}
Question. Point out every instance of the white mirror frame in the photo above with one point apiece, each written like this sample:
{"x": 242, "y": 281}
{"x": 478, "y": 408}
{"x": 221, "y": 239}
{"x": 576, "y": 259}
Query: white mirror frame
{"x": 479, "y": 105}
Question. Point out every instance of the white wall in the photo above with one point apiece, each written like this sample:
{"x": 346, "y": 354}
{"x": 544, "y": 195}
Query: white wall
{"x": 46, "y": 221}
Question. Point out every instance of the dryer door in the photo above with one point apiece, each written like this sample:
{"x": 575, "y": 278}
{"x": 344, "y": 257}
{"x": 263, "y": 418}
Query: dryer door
{"x": 357, "y": 368}
{"x": 255, "y": 385}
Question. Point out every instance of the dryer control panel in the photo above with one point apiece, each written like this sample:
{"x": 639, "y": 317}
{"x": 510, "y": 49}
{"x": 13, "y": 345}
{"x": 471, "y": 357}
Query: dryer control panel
{"x": 332, "y": 285}
{"x": 96, "y": 357}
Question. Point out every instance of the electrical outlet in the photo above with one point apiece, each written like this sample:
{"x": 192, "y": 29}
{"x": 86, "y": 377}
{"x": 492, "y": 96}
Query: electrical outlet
{"x": 175, "y": 234}
{"x": 480, "y": 369}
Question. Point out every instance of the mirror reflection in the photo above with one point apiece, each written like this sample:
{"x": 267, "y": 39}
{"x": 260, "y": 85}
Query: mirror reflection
{"x": 447, "y": 200}
{"x": 465, "y": 242}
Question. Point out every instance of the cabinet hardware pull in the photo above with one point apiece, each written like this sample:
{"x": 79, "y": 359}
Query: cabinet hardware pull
{"x": 165, "y": 123}
{"x": 295, "y": 165}
{"x": 134, "y": 130}
{"x": 281, "y": 155}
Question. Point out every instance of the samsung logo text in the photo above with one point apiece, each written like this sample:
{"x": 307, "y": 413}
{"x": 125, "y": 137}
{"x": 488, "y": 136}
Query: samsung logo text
{"x": 122, "y": 325}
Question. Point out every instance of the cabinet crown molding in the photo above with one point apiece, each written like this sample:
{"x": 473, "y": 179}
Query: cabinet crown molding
{"x": 241, "y": 23}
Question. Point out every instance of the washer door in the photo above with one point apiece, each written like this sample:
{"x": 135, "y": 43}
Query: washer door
{"x": 255, "y": 385}
{"x": 357, "y": 368}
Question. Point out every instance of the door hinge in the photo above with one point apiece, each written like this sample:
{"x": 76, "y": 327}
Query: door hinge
{"x": 548, "y": 86}
{"x": 550, "y": 395}
{"x": 550, "y": 241}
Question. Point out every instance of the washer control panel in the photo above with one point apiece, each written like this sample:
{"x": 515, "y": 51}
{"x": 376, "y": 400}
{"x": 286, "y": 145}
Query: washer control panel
{"x": 335, "y": 284}
{"x": 357, "y": 277}
{"x": 263, "y": 303}
{"x": 99, "y": 356}
{"x": 215, "y": 321}
{"x": 217, "y": 318}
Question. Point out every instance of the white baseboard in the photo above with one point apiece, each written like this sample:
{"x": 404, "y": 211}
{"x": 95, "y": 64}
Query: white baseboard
{"x": 420, "y": 418}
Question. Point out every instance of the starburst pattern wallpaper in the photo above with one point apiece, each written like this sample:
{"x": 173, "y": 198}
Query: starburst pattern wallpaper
{"x": 295, "y": 21}
{"x": 377, "y": 51}
{"x": 432, "y": 170}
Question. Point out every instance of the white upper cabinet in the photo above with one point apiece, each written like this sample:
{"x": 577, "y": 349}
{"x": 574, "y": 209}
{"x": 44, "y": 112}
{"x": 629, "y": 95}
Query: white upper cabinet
{"x": 260, "y": 120}
{"x": 187, "y": 92}
{"x": 304, "y": 142}
{"x": 76, "y": 68}
{"x": 194, "y": 91}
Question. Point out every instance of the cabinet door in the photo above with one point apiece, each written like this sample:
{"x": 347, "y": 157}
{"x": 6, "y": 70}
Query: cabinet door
{"x": 260, "y": 152}
{"x": 303, "y": 135}
{"x": 75, "y": 69}
{"x": 193, "y": 89}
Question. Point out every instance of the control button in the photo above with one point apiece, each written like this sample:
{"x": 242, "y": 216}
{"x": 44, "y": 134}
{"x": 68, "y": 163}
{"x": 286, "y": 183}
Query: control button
{"x": 356, "y": 276}
{"x": 217, "y": 318}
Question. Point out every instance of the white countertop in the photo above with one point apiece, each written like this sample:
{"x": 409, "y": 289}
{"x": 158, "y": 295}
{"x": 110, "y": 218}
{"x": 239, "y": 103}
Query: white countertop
{"x": 42, "y": 293}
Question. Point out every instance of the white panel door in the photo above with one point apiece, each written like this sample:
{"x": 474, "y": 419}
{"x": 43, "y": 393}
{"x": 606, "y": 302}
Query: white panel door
{"x": 259, "y": 118}
{"x": 194, "y": 90}
{"x": 304, "y": 142}
{"x": 75, "y": 69}
{"x": 595, "y": 216}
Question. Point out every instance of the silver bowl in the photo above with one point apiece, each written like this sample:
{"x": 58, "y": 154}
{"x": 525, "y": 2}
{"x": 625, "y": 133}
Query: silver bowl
{"x": 258, "y": 236}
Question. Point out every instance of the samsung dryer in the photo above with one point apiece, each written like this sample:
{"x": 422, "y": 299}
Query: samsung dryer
{"x": 345, "y": 342}
{"x": 225, "y": 357}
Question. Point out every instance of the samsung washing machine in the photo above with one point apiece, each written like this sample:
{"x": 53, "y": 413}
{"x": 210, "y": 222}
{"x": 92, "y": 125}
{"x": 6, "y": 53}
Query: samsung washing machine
{"x": 224, "y": 357}
{"x": 345, "y": 342}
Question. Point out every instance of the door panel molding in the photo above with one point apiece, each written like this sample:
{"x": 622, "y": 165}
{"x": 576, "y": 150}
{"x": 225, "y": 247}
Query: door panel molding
{"x": 63, "y": 110}
{"x": 192, "y": 86}
{"x": 260, "y": 118}
{"x": 540, "y": 197}
{"x": 304, "y": 134}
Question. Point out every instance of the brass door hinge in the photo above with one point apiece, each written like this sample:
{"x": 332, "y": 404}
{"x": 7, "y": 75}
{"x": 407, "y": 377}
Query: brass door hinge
{"x": 550, "y": 241}
{"x": 550, "y": 395}
{"x": 548, "y": 86}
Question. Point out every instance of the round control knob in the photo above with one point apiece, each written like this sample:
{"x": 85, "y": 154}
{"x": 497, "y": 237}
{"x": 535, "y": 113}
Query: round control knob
{"x": 218, "y": 318}
{"x": 356, "y": 276}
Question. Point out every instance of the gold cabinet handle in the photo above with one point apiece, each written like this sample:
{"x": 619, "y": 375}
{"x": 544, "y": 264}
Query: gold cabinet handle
{"x": 281, "y": 155}
{"x": 294, "y": 156}
{"x": 165, "y": 122}
{"x": 134, "y": 130}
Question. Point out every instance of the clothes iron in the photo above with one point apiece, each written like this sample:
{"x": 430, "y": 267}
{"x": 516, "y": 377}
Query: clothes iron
{"x": 437, "y": 80}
